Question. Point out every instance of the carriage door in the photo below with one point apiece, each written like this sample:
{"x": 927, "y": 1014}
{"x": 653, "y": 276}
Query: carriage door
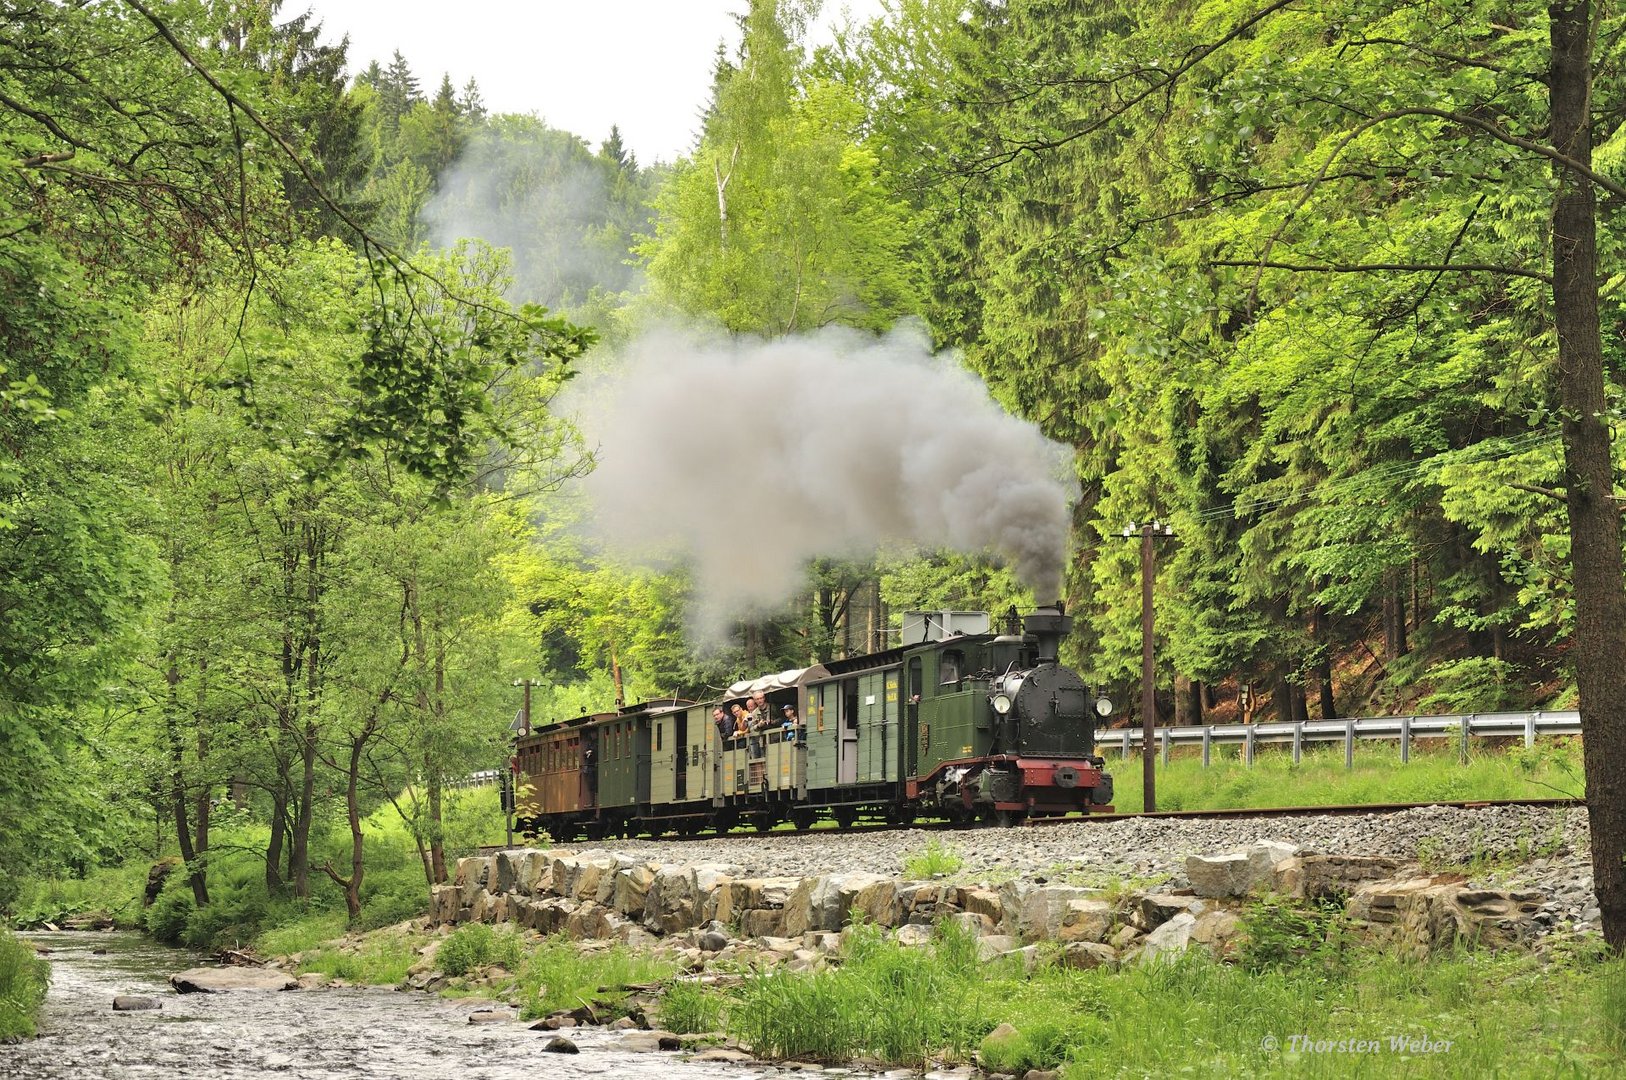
{"x": 911, "y": 718}
{"x": 847, "y": 724}
{"x": 680, "y": 744}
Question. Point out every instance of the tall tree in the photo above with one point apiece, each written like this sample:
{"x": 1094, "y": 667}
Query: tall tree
{"x": 1315, "y": 273}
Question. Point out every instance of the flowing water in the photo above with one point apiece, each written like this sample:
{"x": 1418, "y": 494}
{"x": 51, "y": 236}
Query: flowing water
{"x": 305, "y": 1034}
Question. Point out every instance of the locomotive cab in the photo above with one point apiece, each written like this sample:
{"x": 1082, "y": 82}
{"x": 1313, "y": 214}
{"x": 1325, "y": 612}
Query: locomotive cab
{"x": 1003, "y": 729}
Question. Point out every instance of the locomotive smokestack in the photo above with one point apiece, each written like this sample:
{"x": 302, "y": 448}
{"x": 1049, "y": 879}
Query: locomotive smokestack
{"x": 1049, "y": 625}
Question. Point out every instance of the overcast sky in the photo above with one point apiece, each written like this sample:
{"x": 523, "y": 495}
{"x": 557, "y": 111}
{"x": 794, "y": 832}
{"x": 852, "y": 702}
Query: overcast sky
{"x": 581, "y": 65}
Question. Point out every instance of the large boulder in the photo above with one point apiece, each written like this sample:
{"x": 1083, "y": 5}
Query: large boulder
{"x": 995, "y": 945}
{"x": 880, "y": 903}
{"x": 134, "y": 1003}
{"x": 1152, "y": 910}
{"x": 679, "y": 896}
{"x": 549, "y": 915}
{"x": 1170, "y": 939}
{"x": 736, "y": 896}
{"x": 444, "y": 900}
{"x": 1422, "y": 915}
{"x": 822, "y": 903}
{"x": 1239, "y": 872}
{"x": 1218, "y": 931}
{"x": 631, "y": 891}
{"x": 762, "y": 922}
{"x": 1085, "y": 955}
{"x": 534, "y": 874}
{"x": 1059, "y": 913}
{"x": 505, "y": 871}
{"x": 471, "y": 877}
{"x": 590, "y": 921}
{"x": 227, "y": 980}
{"x": 1319, "y": 877}
{"x": 913, "y": 935}
{"x": 157, "y": 874}
{"x": 980, "y": 901}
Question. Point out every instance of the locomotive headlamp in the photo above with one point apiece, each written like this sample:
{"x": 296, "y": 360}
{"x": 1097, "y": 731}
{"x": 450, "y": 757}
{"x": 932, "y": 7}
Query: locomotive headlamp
{"x": 1001, "y": 703}
{"x": 1103, "y": 706}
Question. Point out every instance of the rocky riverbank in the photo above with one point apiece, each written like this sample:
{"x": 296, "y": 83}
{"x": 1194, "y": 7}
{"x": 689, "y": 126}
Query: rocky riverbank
{"x": 1105, "y": 892}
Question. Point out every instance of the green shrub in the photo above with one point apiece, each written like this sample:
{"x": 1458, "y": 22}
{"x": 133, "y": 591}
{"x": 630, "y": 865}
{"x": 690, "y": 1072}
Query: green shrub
{"x": 113, "y": 891}
{"x": 902, "y": 1005}
{"x": 23, "y": 981}
{"x": 386, "y": 908}
{"x": 814, "y": 1017}
{"x": 383, "y": 960}
{"x": 559, "y": 975}
{"x": 476, "y": 945}
{"x": 1278, "y": 933}
{"x": 935, "y": 860}
{"x": 1046, "y": 1043}
{"x": 297, "y": 929}
{"x": 688, "y": 1008}
{"x": 167, "y": 919}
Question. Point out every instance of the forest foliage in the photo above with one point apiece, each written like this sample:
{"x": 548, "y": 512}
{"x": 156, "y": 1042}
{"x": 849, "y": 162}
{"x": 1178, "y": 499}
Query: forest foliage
{"x": 287, "y": 505}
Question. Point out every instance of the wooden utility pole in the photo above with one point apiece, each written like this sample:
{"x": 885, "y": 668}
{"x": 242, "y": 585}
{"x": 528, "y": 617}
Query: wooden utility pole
{"x": 1148, "y": 667}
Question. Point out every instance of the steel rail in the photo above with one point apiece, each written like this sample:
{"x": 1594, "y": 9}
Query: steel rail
{"x": 1231, "y": 813}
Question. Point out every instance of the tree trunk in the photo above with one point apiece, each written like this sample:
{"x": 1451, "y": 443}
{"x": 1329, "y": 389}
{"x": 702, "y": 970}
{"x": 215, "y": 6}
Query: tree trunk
{"x": 1600, "y": 594}
{"x": 177, "y": 759}
{"x": 437, "y": 845}
{"x": 1283, "y": 698}
{"x": 1394, "y": 616}
{"x": 437, "y": 839}
{"x": 352, "y": 806}
{"x": 1321, "y": 634}
{"x": 315, "y": 541}
{"x": 1188, "y": 702}
{"x": 273, "y": 848}
{"x": 299, "y": 849}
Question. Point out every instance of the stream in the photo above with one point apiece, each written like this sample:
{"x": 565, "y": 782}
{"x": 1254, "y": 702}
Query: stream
{"x": 315, "y": 1034}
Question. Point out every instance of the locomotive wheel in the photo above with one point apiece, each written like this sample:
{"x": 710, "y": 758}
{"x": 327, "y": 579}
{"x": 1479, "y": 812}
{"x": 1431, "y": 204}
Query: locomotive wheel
{"x": 1005, "y": 819}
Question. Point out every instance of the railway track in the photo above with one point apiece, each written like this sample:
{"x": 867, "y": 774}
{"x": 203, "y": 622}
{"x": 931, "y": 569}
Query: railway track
{"x": 1229, "y": 814}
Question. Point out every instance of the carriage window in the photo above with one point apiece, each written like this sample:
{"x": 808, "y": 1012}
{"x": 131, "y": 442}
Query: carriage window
{"x": 659, "y": 728}
{"x": 948, "y": 667}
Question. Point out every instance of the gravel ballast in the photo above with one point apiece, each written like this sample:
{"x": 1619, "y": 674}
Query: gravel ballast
{"x": 1502, "y": 846}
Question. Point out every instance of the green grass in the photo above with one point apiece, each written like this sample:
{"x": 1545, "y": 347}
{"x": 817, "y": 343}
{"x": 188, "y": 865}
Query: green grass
{"x": 1552, "y": 769}
{"x": 936, "y": 859}
{"x": 23, "y": 980}
{"x": 478, "y": 945}
{"x": 111, "y": 890}
{"x": 560, "y": 975}
{"x": 689, "y": 1008}
{"x": 902, "y": 1006}
{"x": 1505, "y": 1015}
{"x": 382, "y": 959}
{"x": 241, "y": 913}
{"x": 302, "y": 934}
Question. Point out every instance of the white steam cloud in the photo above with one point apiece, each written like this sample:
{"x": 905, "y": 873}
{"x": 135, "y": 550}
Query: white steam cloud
{"x": 751, "y": 458}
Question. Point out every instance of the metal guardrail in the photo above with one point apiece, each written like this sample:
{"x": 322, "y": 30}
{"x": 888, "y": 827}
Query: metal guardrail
{"x": 482, "y": 778}
{"x": 1404, "y": 729}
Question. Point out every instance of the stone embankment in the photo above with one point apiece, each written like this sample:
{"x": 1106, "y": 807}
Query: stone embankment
{"x": 1132, "y": 893}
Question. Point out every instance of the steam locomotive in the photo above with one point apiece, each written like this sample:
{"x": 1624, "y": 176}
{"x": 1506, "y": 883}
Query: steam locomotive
{"x": 956, "y": 723}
